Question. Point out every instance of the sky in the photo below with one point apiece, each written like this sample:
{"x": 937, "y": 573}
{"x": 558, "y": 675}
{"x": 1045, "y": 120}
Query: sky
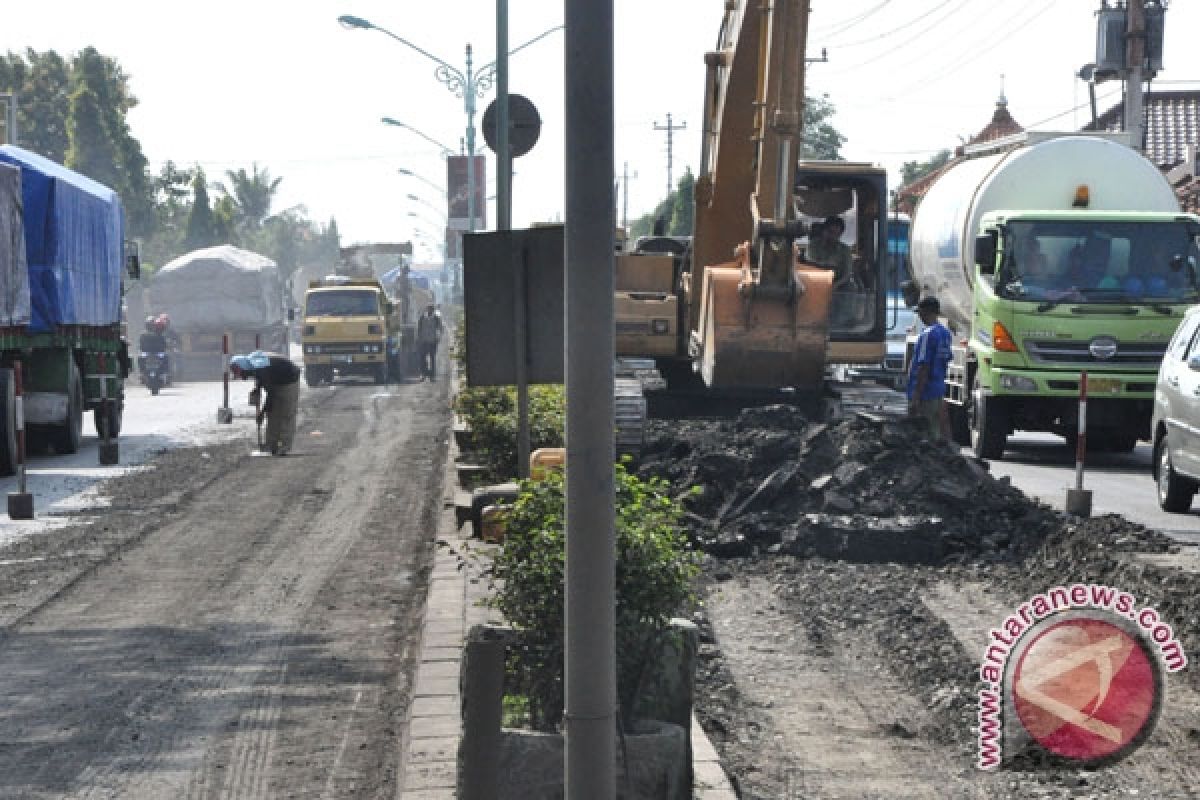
{"x": 281, "y": 84}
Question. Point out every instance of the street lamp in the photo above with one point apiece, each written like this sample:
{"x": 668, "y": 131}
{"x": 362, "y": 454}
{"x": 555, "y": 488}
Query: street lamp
{"x": 428, "y": 205}
{"x": 446, "y": 151}
{"x": 468, "y": 85}
{"x": 412, "y": 174}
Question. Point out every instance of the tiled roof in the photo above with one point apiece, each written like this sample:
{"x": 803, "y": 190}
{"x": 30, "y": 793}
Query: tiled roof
{"x": 1002, "y": 124}
{"x": 1172, "y": 123}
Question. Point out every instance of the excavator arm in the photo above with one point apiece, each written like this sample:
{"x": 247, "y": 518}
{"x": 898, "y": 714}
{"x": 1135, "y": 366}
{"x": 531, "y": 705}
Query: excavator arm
{"x": 756, "y": 320}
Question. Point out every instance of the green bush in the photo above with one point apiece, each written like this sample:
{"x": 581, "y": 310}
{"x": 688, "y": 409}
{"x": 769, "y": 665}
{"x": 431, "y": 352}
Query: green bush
{"x": 654, "y": 570}
{"x": 491, "y": 415}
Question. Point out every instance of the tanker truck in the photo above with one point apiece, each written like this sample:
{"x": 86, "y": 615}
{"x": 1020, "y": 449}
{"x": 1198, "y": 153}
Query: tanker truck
{"x": 1054, "y": 255}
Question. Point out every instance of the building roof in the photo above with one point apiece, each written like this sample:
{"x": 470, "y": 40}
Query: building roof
{"x": 1002, "y": 124}
{"x": 1172, "y": 123}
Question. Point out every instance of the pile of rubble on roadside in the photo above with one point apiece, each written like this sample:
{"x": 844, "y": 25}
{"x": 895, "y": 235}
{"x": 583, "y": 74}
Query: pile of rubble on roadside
{"x": 866, "y": 488}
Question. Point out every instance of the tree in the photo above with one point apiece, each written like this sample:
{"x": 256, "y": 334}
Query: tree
{"x": 201, "y": 227}
{"x": 41, "y": 82}
{"x": 683, "y": 205}
{"x": 252, "y": 193}
{"x": 90, "y": 150}
{"x": 912, "y": 170}
{"x": 819, "y": 139}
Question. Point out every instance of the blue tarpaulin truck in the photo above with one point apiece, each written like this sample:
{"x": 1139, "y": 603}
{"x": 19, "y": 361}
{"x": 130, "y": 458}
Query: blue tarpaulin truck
{"x": 62, "y": 258}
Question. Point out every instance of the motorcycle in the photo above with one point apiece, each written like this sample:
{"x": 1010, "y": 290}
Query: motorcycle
{"x": 154, "y": 370}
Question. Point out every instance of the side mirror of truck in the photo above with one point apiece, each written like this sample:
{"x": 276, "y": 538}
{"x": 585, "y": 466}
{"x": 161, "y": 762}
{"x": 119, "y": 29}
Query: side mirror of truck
{"x": 133, "y": 261}
{"x": 985, "y": 253}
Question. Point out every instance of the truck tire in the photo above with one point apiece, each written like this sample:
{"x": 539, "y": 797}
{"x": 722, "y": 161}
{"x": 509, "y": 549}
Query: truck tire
{"x": 8, "y": 424}
{"x": 960, "y": 427}
{"x": 1175, "y": 492}
{"x": 381, "y": 374}
{"x": 65, "y": 438}
{"x": 116, "y": 413}
{"x": 988, "y": 434}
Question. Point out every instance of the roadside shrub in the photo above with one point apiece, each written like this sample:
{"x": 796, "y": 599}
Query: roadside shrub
{"x": 654, "y": 570}
{"x": 491, "y": 415}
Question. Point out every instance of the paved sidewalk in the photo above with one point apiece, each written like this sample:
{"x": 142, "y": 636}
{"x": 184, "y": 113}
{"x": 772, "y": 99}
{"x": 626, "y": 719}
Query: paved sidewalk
{"x": 435, "y": 722}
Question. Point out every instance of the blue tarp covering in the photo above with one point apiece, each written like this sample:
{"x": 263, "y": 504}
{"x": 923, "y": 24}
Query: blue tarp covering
{"x": 74, "y": 243}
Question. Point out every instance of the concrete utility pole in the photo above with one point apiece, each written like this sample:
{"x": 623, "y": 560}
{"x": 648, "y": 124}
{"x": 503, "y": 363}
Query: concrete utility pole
{"x": 625, "y": 196}
{"x": 1135, "y": 59}
{"x": 670, "y": 128}
{"x": 589, "y": 720}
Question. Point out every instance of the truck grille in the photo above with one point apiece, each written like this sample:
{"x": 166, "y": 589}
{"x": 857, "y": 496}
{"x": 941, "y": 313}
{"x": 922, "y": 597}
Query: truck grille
{"x": 337, "y": 348}
{"x": 1128, "y": 353}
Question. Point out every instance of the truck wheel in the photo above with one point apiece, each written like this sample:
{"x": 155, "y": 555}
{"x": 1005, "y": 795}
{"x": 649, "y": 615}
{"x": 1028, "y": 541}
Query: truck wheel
{"x": 65, "y": 438}
{"x": 381, "y": 374}
{"x": 116, "y": 413}
{"x": 988, "y": 436}
{"x": 1116, "y": 442}
{"x": 960, "y": 427}
{"x": 8, "y": 424}
{"x": 314, "y": 375}
{"x": 1175, "y": 492}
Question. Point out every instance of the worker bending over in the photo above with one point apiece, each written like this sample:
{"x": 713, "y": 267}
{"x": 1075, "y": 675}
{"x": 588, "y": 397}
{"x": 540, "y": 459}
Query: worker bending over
{"x": 279, "y": 378}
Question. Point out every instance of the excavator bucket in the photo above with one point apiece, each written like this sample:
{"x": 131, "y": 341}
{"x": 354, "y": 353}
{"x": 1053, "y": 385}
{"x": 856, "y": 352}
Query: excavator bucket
{"x": 763, "y": 341}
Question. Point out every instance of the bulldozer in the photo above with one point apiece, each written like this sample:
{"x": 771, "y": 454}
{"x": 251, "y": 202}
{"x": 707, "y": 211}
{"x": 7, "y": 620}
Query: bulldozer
{"x": 749, "y": 307}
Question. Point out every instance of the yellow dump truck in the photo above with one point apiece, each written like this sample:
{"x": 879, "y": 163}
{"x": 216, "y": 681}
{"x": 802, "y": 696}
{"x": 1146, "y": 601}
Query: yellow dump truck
{"x": 350, "y": 328}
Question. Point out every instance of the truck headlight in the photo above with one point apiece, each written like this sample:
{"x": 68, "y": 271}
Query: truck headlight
{"x": 312, "y": 348}
{"x": 1018, "y": 383}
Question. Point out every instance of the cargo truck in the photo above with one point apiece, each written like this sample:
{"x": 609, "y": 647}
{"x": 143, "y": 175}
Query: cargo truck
{"x": 348, "y": 329}
{"x": 62, "y": 253}
{"x": 1054, "y": 254}
{"x": 217, "y": 292}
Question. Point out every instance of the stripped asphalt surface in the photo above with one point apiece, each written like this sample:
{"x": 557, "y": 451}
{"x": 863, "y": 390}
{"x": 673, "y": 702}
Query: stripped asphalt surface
{"x": 231, "y": 625}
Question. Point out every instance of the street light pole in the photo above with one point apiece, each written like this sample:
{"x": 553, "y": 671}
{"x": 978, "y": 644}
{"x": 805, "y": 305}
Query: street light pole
{"x": 469, "y": 86}
{"x": 446, "y": 151}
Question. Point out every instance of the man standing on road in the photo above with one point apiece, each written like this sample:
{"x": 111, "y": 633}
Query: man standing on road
{"x": 429, "y": 333}
{"x": 279, "y": 378}
{"x": 927, "y": 373}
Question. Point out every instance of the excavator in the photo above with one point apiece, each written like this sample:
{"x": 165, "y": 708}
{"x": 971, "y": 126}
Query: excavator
{"x": 744, "y": 308}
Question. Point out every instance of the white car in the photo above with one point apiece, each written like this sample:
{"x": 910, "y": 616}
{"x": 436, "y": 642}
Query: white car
{"x": 1176, "y": 421}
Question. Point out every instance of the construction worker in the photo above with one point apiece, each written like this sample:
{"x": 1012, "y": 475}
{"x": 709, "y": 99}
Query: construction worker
{"x": 279, "y": 378}
{"x": 429, "y": 333}
{"x": 927, "y": 372}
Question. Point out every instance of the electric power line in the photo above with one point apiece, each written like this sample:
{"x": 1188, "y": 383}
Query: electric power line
{"x": 910, "y": 40}
{"x": 892, "y": 31}
{"x": 834, "y": 28}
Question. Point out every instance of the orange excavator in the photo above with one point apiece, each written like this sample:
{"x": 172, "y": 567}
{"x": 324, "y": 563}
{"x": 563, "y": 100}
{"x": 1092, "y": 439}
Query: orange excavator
{"x": 759, "y": 302}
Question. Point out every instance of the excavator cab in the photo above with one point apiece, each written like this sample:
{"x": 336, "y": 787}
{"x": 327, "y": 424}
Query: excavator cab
{"x": 855, "y": 194}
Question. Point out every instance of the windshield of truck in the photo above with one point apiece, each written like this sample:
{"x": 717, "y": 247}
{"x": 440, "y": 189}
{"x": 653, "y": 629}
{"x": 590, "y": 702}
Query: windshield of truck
{"x": 342, "y": 303}
{"x": 1099, "y": 262}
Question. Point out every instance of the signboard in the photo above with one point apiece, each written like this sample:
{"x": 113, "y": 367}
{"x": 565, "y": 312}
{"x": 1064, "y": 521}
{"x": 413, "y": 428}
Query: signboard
{"x": 489, "y": 305}
{"x": 457, "y": 182}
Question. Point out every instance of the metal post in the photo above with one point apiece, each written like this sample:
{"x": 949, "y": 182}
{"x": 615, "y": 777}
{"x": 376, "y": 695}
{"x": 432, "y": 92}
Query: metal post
{"x": 108, "y": 448}
{"x": 469, "y": 102}
{"x": 504, "y": 223}
{"x": 1135, "y": 49}
{"x": 590, "y": 718}
{"x": 1079, "y": 500}
{"x": 225, "y": 413}
{"x": 20, "y": 502}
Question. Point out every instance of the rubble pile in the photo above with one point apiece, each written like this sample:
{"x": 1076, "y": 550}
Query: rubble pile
{"x": 866, "y": 489}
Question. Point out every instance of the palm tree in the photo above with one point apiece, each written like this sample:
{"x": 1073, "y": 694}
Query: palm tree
{"x": 252, "y": 193}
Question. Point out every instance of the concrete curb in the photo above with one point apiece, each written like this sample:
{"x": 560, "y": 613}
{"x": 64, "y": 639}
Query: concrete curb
{"x": 435, "y": 721}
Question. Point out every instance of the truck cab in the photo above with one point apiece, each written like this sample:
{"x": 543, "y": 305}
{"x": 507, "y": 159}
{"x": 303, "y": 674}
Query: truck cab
{"x": 348, "y": 329}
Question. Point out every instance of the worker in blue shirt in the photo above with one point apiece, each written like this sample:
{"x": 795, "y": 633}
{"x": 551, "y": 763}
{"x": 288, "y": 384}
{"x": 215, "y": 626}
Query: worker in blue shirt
{"x": 927, "y": 373}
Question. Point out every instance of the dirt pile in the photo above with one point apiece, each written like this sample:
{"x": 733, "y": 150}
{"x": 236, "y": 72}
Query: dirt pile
{"x": 864, "y": 489}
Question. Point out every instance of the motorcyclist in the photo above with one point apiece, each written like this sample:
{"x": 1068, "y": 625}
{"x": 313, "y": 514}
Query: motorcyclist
{"x": 152, "y": 339}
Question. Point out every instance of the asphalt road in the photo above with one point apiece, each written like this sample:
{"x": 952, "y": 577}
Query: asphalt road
{"x": 1042, "y": 466}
